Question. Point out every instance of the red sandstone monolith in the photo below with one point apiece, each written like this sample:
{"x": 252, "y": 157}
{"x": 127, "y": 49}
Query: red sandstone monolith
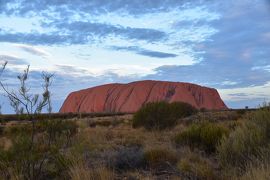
{"x": 130, "y": 97}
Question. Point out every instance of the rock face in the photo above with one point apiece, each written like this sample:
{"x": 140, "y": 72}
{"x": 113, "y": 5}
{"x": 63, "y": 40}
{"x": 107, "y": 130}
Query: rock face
{"x": 130, "y": 97}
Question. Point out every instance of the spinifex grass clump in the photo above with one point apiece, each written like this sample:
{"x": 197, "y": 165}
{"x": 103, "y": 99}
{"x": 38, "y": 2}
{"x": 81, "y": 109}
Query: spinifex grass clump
{"x": 194, "y": 166}
{"x": 161, "y": 115}
{"x": 248, "y": 142}
{"x": 156, "y": 158}
{"x": 202, "y": 135}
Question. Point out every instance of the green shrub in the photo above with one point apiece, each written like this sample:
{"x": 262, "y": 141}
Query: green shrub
{"x": 246, "y": 142}
{"x": 161, "y": 115}
{"x": 203, "y": 135}
{"x": 156, "y": 158}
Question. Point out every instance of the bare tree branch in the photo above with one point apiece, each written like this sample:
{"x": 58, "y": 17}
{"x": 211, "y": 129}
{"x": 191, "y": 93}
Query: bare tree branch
{"x": 24, "y": 100}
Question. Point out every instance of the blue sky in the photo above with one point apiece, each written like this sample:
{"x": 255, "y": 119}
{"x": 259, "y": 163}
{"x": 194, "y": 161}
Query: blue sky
{"x": 220, "y": 44}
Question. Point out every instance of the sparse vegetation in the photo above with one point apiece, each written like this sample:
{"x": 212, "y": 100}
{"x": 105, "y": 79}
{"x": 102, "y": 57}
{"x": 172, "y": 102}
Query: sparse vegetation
{"x": 206, "y": 149}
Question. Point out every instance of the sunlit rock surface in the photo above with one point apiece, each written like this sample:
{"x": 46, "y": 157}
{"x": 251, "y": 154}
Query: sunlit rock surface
{"x": 130, "y": 97}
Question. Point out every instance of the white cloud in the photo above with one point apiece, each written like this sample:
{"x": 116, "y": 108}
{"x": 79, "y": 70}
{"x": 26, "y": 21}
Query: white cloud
{"x": 229, "y": 83}
{"x": 254, "y": 92}
{"x": 267, "y": 68}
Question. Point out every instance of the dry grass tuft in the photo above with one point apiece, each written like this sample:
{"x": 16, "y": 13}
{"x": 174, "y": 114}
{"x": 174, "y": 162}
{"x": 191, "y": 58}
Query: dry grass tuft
{"x": 156, "y": 158}
{"x": 80, "y": 172}
{"x": 261, "y": 172}
{"x": 195, "y": 166}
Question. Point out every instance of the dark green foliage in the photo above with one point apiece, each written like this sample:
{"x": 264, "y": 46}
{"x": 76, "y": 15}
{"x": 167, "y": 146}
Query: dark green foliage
{"x": 156, "y": 158}
{"x": 203, "y": 135}
{"x": 161, "y": 115}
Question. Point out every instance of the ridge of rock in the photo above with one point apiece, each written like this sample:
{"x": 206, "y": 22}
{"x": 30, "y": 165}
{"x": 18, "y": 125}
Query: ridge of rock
{"x": 130, "y": 97}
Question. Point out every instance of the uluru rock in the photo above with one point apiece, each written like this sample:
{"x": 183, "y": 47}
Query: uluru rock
{"x": 130, "y": 97}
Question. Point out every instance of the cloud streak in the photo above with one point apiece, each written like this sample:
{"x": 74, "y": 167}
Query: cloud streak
{"x": 145, "y": 52}
{"x": 40, "y": 38}
{"x": 25, "y": 7}
{"x": 13, "y": 60}
{"x": 89, "y": 29}
{"x": 33, "y": 50}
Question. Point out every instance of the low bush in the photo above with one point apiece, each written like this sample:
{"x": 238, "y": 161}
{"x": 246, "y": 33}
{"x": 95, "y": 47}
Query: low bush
{"x": 156, "y": 158}
{"x": 161, "y": 115}
{"x": 202, "y": 135}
